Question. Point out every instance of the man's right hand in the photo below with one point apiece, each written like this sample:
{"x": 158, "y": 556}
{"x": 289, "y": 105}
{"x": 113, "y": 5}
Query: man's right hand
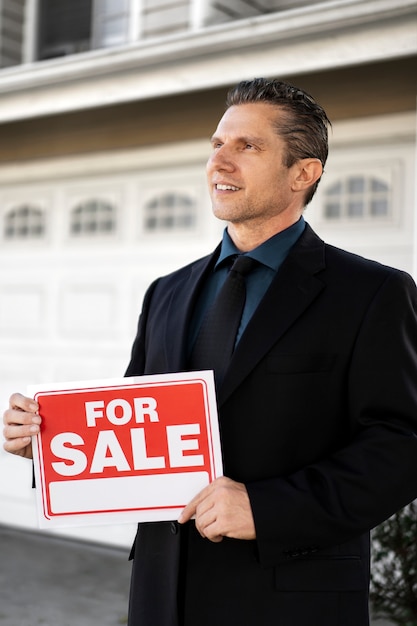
{"x": 21, "y": 422}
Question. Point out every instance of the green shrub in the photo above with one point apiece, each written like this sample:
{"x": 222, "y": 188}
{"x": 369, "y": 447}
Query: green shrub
{"x": 394, "y": 568}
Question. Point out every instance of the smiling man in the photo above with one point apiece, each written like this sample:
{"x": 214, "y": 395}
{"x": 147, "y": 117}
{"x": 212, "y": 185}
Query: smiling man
{"x": 251, "y": 186}
{"x": 317, "y": 395}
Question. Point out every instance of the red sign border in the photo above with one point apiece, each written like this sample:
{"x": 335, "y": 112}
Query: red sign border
{"x": 206, "y": 381}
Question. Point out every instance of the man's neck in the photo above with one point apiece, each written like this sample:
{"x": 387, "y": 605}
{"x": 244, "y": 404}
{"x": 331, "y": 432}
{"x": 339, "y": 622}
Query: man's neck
{"x": 248, "y": 235}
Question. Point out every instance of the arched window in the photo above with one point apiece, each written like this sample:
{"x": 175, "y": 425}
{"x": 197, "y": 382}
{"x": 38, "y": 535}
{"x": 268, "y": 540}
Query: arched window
{"x": 93, "y": 217}
{"x": 170, "y": 211}
{"x": 357, "y": 197}
{"x": 24, "y": 222}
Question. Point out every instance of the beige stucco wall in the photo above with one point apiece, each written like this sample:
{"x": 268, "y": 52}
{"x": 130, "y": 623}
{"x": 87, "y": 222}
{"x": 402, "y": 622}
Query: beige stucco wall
{"x": 352, "y": 92}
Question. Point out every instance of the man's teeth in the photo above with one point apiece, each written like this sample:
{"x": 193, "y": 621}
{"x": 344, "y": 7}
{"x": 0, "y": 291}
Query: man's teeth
{"x": 227, "y": 188}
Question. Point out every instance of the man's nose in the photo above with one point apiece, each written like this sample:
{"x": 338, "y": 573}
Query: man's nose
{"x": 221, "y": 159}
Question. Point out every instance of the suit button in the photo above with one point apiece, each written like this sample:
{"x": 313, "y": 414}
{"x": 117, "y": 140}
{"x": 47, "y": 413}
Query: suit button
{"x": 174, "y": 528}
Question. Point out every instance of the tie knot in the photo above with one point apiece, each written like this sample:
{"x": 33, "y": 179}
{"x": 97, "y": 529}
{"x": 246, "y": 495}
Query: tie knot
{"x": 243, "y": 265}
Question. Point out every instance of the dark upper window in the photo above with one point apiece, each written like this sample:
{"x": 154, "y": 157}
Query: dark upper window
{"x": 71, "y": 26}
{"x": 64, "y": 27}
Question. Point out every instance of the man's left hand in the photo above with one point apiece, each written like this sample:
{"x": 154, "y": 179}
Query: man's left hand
{"x": 222, "y": 509}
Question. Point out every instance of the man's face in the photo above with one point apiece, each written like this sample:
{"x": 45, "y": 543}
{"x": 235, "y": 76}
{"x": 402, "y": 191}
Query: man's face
{"x": 248, "y": 181}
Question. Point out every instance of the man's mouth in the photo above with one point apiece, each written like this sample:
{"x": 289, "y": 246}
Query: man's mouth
{"x": 226, "y": 188}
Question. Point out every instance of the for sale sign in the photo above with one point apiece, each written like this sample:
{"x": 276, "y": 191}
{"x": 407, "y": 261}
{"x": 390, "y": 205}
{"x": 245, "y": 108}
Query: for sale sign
{"x": 132, "y": 449}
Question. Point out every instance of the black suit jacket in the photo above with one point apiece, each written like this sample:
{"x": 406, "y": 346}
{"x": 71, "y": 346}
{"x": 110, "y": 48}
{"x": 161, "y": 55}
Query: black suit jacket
{"x": 318, "y": 417}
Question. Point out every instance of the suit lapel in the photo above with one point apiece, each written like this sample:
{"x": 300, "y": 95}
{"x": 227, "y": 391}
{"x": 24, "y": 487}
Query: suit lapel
{"x": 180, "y": 310}
{"x": 292, "y": 291}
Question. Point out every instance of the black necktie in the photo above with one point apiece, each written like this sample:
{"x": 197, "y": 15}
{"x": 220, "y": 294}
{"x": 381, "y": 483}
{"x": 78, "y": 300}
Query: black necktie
{"x": 217, "y": 336}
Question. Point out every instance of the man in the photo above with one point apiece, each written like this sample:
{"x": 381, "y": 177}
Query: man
{"x": 317, "y": 406}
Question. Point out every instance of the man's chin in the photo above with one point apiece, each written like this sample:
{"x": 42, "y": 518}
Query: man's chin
{"x": 227, "y": 214}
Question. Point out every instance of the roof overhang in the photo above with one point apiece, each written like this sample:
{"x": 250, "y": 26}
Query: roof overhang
{"x": 313, "y": 38}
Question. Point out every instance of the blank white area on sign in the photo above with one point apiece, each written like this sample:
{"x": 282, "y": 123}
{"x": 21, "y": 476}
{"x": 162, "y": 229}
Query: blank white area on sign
{"x": 132, "y": 492}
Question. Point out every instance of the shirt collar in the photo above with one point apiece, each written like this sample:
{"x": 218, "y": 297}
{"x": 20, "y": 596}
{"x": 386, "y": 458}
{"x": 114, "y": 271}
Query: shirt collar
{"x": 271, "y": 252}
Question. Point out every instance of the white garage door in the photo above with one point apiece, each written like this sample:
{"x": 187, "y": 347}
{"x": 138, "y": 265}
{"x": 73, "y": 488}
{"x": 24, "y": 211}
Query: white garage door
{"x": 81, "y": 240}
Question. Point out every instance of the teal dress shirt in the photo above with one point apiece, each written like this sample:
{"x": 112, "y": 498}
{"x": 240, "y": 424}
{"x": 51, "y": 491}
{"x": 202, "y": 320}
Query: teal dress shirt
{"x": 270, "y": 256}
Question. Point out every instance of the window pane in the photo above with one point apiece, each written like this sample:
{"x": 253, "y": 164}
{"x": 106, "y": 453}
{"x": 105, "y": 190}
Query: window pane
{"x": 334, "y": 190}
{"x": 64, "y": 27}
{"x": 378, "y": 185}
{"x": 356, "y": 185}
{"x": 379, "y": 208}
{"x": 150, "y": 223}
{"x": 113, "y": 6}
{"x": 332, "y": 210}
{"x": 355, "y": 209}
{"x": 114, "y": 28}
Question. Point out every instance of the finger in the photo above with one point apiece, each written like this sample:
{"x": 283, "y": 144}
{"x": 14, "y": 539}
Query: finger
{"x": 18, "y": 431}
{"x": 20, "y": 417}
{"x": 21, "y": 423}
{"x": 215, "y": 538}
{"x": 190, "y": 510}
{"x": 18, "y": 438}
{"x": 209, "y": 528}
{"x": 23, "y": 403}
{"x": 203, "y": 521}
{"x": 187, "y": 513}
{"x": 18, "y": 445}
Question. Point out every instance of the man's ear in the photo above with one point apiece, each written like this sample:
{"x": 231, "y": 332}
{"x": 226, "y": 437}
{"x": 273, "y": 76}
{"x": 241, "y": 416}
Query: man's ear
{"x": 307, "y": 172}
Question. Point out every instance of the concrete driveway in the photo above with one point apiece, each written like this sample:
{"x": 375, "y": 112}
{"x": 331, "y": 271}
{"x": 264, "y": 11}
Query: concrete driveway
{"x": 47, "y": 580}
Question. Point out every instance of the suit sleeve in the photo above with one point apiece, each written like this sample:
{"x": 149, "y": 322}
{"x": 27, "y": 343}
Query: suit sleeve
{"x": 137, "y": 364}
{"x": 358, "y": 486}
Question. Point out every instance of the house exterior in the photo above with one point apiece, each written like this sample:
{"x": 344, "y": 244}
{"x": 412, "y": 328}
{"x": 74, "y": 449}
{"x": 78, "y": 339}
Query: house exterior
{"x": 105, "y": 111}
